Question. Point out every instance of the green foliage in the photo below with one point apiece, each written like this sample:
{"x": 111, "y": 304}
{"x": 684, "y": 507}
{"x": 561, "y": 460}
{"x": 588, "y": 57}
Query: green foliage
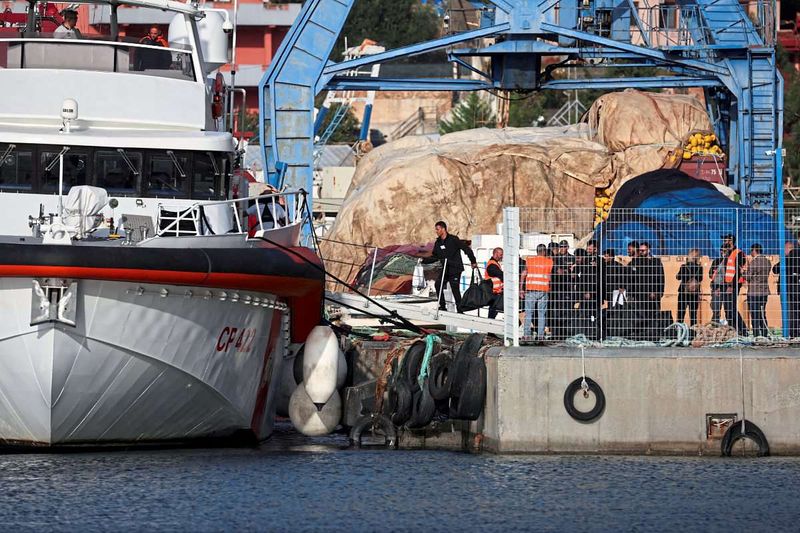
{"x": 391, "y": 23}
{"x": 525, "y": 111}
{"x": 472, "y": 112}
{"x": 250, "y": 125}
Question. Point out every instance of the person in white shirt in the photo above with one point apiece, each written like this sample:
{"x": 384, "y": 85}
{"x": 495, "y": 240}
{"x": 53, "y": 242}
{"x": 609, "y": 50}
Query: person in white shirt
{"x": 67, "y": 30}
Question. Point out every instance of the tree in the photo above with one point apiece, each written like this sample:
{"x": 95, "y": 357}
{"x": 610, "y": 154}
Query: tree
{"x": 391, "y": 23}
{"x": 472, "y": 112}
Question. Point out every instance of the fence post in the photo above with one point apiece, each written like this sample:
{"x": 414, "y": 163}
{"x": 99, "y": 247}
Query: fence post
{"x": 782, "y": 241}
{"x": 511, "y": 276}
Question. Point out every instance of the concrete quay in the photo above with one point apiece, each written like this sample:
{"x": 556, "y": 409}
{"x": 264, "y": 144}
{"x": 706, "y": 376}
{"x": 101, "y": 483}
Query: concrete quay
{"x": 658, "y": 400}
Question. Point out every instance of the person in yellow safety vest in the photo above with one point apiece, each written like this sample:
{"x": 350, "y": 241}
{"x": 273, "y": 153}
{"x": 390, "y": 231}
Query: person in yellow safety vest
{"x": 536, "y": 279}
{"x": 733, "y": 263}
{"x": 494, "y": 272}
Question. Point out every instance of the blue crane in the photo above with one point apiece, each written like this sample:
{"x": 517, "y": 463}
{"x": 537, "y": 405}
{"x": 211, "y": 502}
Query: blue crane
{"x": 723, "y": 46}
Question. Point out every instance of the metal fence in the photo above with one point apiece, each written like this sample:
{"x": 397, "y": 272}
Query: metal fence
{"x": 632, "y": 274}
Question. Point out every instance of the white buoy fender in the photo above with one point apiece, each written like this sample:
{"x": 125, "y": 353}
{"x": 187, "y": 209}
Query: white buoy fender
{"x": 320, "y": 364}
{"x": 307, "y": 419}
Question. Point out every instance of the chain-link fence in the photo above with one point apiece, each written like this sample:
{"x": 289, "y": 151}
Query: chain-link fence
{"x": 633, "y": 273}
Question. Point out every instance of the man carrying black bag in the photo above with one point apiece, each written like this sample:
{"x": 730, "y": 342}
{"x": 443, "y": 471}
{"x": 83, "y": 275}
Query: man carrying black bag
{"x": 447, "y": 250}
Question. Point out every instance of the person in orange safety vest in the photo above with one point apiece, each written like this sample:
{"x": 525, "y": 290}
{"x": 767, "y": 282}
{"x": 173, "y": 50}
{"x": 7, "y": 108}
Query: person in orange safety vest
{"x": 536, "y": 279}
{"x": 733, "y": 279}
{"x": 494, "y": 272}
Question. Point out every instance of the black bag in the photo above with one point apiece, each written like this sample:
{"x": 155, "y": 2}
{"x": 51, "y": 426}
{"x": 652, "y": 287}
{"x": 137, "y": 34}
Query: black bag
{"x": 478, "y": 294}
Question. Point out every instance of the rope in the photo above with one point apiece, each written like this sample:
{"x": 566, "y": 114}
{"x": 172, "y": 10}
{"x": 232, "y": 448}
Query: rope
{"x": 430, "y": 339}
{"x": 682, "y": 338}
{"x": 741, "y": 381}
{"x": 383, "y": 380}
{"x": 584, "y": 385}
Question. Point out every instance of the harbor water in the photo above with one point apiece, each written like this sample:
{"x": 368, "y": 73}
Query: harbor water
{"x": 299, "y": 484}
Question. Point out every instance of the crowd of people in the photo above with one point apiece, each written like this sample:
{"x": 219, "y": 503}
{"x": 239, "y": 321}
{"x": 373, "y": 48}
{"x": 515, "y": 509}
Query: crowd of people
{"x": 600, "y": 293}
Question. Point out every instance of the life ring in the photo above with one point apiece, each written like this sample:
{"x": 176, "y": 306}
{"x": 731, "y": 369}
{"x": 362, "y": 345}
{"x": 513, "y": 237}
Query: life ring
{"x": 438, "y": 375}
{"x": 469, "y": 404}
{"x": 751, "y": 432}
{"x": 376, "y": 425}
{"x": 422, "y": 408}
{"x": 569, "y": 400}
{"x": 399, "y": 403}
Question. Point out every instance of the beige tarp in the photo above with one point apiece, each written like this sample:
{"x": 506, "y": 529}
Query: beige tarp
{"x": 643, "y": 129}
{"x": 466, "y": 178}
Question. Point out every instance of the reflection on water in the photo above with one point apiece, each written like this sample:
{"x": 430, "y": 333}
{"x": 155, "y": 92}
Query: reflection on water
{"x": 297, "y": 484}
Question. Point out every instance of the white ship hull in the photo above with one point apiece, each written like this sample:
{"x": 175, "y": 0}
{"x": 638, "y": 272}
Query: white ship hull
{"x": 144, "y": 363}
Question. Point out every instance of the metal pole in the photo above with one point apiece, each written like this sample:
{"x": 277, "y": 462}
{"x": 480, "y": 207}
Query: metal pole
{"x": 61, "y": 186}
{"x": 781, "y": 242}
{"x": 114, "y": 22}
{"x": 511, "y": 275}
{"x": 441, "y": 289}
{"x": 233, "y": 60}
{"x": 372, "y": 272}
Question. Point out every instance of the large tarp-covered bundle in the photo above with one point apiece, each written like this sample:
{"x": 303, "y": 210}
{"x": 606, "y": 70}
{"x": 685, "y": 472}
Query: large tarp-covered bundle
{"x": 674, "y": 212}
{"x": 643, "y": 129}
{"x": 466, "y": 178}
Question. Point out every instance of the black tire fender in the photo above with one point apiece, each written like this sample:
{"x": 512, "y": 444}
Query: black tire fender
{"x": 469, "y": 405}
{"x": 297, "y": 367}
{"x": 751, "y": 432}
{"x": 460, "y": 365}
{"x": 423, "y": 408}
{"x": 438, "y": 375}
{"x": 376, "y": 424}
{"x": 412, "y": 361}
{"x": 569, "y": 400}
{"x": 399, "y": 404}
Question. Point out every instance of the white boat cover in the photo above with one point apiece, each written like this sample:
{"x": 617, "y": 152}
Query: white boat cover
{"x": 81, "y": 207}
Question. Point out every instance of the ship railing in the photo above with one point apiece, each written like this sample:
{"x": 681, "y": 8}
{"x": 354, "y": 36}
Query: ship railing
{"x": 98, "y": 54}
{"x": 239, "y": 216}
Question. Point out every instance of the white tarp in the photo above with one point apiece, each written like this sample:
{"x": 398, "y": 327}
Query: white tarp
{"x": 81, "y": 207}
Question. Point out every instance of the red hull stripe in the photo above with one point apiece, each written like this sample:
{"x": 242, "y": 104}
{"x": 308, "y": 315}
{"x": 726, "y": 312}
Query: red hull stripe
{"x": 286, "y": 286}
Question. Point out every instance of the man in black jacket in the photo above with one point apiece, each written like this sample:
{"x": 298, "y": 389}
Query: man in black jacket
{"x": 647, "y": 280}
{"x": 447, "y": 249}
{"x": 560, "y": 301}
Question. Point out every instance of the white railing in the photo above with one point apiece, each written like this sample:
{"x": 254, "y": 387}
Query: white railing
{"x": 230, "y": 217}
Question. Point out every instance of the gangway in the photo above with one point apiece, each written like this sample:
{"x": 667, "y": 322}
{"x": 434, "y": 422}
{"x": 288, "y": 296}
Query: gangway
{"x": 422, "y": 311}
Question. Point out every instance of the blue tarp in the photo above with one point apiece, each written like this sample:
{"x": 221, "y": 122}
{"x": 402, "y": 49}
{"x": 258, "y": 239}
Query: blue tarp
{"x": 674, "y": 212}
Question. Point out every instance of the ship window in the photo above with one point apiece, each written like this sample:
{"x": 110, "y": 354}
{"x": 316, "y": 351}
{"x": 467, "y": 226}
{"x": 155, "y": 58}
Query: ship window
{"x": 207, "y": 176}
{"x": 16, "y": 168}
{"x": 118, "y": 171}
{"x": 75, "y": 170}
{"x": 166, "y": 175}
